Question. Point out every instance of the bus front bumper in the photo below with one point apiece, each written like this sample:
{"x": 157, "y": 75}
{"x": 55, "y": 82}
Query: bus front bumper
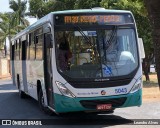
{"x": 65, "y": 104}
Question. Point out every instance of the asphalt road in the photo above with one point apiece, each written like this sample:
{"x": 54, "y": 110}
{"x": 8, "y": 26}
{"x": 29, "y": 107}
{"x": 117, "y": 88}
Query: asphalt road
{"x": 12, "y": 107}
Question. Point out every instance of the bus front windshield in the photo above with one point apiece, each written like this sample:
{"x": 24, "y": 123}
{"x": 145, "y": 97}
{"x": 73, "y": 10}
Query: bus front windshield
{"x": 99, "y": 53}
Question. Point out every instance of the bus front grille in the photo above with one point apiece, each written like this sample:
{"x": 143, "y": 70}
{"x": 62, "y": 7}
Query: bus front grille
{"x": 92, "y": 104}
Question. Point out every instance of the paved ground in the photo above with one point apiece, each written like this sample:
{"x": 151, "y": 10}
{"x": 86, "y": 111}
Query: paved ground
{"x": 12, "y": 107}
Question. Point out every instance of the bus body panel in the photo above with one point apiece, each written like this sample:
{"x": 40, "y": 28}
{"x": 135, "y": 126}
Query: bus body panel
{"x": 35, "y": 72}
{"x": 65, "y": 104}
{"x": 95, "y": 92}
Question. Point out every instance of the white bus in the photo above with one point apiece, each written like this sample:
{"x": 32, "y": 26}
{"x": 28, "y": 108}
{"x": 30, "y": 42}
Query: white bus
{"x": 79, "y": 60}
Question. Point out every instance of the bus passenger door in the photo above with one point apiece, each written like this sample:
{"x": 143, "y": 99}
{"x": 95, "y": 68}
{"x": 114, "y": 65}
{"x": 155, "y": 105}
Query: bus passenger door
{"x": 24, "y": 73}
{"x": 48, "y": 70}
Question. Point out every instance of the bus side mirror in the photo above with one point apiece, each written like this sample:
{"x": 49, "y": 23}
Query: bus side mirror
{"x": 49, "y": 40}
{"x": 141, "y": 48}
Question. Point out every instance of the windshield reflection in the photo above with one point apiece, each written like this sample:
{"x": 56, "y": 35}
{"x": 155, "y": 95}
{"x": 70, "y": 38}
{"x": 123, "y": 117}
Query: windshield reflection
{"x": 96, "y": 54}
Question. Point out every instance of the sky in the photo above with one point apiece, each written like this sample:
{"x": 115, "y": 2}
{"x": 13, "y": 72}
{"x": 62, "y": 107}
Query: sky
{"x": 4, "y": 7}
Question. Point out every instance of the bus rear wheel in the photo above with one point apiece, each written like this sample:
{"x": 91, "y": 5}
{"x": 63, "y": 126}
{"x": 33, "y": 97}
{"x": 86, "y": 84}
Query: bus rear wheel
{"x": 21, "y": 93}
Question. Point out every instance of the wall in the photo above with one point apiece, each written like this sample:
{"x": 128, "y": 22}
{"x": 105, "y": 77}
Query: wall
{"x": 4, "y": 68}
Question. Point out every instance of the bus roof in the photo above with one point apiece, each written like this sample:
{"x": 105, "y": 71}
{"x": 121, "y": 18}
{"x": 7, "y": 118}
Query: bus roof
{"x": 92, "y": 10}
{"x": 46, "y": 18}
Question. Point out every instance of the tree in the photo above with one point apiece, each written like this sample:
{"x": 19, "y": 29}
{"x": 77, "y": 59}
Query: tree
{"x": 153, "y": 8}
{"x": 40, "y": 8}
{"x": 69, "y": 4}
{"x": 6, "y": 28}
{"x": 36, "y": 8}
{"x": 14, "y": 22}
{"x": 86, "y": 4}
{"x": 19, "y": 8}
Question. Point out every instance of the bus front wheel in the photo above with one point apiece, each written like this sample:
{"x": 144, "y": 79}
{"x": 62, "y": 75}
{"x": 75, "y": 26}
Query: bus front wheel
{"x": 41, "y": 100}
{"x": 42, "y": 104}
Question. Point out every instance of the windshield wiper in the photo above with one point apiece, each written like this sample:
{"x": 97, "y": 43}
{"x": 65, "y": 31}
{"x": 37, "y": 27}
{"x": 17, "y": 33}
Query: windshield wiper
{"x": 83, "y": 34}
{"x": 109, "y": 41}
{"x": 106, "y": 45}
{"x": 86, "y": 38}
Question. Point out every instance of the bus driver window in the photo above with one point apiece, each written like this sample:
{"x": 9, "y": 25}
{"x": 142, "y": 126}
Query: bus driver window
{"x": 64, "y": 54}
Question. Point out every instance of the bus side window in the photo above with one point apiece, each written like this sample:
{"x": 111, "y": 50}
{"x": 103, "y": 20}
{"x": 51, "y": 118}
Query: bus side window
{"x": 20, "y": 49}
{"x": 28, "y": 46}
{"x": 32, "y": 48}
{"x": 24, "y": 49}
{"x": 17, "y": 50}
{"x": 38, "y": 42}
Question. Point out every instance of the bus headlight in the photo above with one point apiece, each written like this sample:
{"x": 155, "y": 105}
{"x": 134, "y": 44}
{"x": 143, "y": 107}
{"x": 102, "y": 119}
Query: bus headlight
{"x": 137, "y": 86}
{"x": 65, "y": 91}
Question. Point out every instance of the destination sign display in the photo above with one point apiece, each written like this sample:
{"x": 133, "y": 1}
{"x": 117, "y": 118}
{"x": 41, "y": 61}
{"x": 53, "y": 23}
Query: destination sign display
{"x": 93, "y": 19}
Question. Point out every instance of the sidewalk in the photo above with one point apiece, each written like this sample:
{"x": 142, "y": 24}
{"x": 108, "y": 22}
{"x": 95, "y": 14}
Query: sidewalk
{"x": 5, "y": 77}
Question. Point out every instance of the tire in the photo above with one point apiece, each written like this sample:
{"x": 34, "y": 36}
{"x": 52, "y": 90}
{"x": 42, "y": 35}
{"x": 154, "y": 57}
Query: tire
{"x": 41, "y": 100}
{"x": 22, "y": 94}
{"x": 42, "y": 106}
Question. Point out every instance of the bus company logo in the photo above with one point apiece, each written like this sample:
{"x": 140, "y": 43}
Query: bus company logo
{"x": 103, "y": 92}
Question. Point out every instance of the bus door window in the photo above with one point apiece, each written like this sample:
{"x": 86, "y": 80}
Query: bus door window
{"x": 38, "y": 44}
{"x": 32, "y": 48}
{"x": 39, "y": 47}
{"x": 17, "y": 50}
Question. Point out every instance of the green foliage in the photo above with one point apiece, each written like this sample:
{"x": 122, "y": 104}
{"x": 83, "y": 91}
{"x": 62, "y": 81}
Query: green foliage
{"x": 6, "y": 28}
{"x": 86, "y": 4}
{"x": 37, "y": 8}
{"x": 108, "y": 4}
{"x": 13, "y": 22}
{"x": 19, "y": 8}
{"x": 40, "y": 8}
{"x": 69, "y": 4}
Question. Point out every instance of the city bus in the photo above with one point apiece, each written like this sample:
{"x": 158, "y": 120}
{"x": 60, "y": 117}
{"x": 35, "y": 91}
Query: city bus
{"x": 80, "y": 60}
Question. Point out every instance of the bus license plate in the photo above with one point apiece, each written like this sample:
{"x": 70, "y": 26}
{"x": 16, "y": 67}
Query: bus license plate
{"x": 104, "y": 106}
